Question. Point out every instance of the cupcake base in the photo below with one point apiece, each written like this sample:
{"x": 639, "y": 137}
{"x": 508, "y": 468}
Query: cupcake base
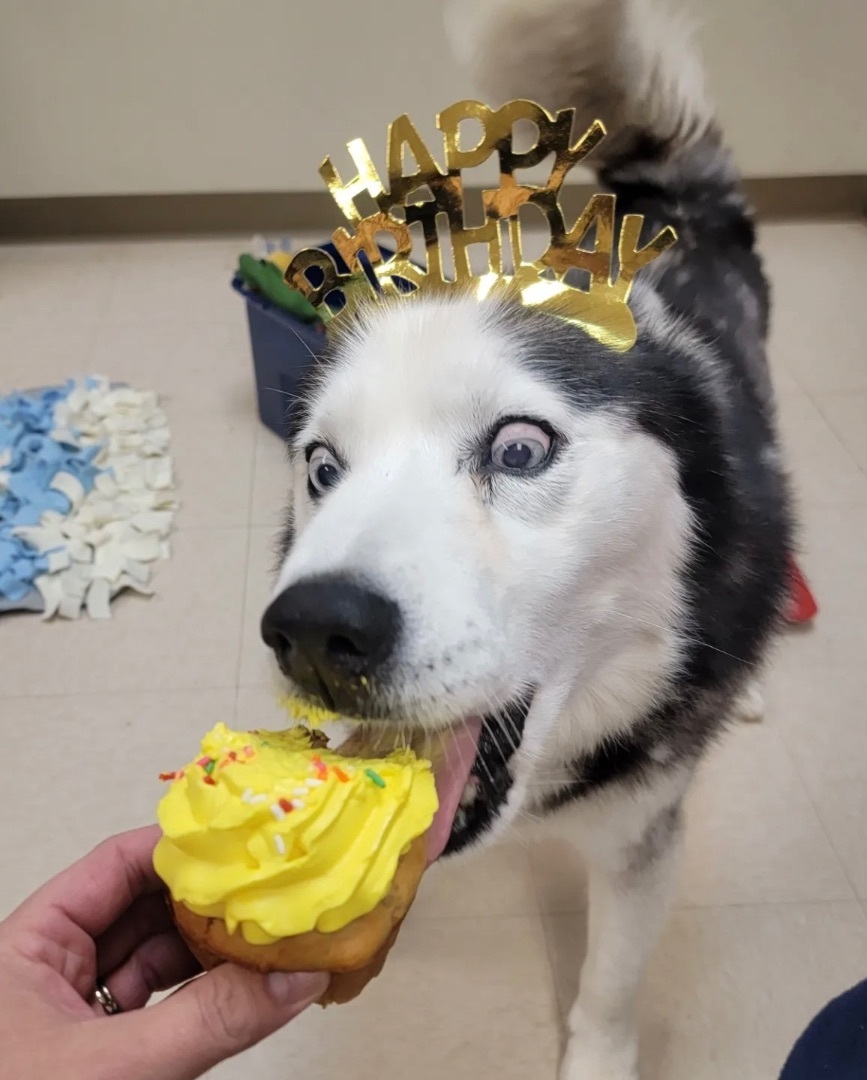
{"x": 353, "y": 955}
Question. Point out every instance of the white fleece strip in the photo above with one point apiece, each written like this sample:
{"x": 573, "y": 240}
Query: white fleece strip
{"x": 114, "y": 533}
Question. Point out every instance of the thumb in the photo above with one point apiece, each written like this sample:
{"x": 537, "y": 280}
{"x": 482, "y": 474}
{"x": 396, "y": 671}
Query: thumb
{"x": 210, "y": 1019}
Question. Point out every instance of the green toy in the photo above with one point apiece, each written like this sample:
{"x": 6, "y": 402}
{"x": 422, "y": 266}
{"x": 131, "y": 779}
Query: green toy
{"x": 266, "y": 277}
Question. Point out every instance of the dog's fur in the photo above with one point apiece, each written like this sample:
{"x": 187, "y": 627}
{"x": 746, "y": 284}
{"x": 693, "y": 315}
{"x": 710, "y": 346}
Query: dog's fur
{"x": 618, "y": 603}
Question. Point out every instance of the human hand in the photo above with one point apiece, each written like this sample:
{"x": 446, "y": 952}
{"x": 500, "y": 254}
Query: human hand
{"x": 106, "y": 918}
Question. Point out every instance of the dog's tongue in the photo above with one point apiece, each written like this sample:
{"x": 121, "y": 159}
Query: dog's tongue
{"x": 454, "y": 752}
{"x": 452, "y": 772}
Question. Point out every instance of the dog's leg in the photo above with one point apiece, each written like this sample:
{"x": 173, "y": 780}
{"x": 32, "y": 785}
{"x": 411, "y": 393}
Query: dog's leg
{"x": 629, "y": 892}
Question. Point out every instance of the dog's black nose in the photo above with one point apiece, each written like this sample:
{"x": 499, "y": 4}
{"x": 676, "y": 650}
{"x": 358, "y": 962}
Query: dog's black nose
{"x": 330, "y": 634}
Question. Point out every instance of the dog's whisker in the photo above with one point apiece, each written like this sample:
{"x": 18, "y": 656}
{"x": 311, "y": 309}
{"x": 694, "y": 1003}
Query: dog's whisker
{"x": 294, "y": 398}
{"x": 691, "y": 637}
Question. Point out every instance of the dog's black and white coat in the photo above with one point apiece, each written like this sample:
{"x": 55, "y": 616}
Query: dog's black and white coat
{"x": 493, "y": 516}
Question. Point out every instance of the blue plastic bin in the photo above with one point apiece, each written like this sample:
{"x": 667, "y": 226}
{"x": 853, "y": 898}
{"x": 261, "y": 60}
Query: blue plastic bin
{"x": 283, "y": 349}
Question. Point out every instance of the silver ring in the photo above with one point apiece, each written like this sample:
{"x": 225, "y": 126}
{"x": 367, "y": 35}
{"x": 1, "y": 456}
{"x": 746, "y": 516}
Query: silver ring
{"x": 106, "y": 999}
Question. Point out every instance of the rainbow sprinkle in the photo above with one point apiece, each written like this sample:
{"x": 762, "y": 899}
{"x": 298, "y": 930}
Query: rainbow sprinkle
{"x": 285, "y": 806}
{"x": 168, "y": 776}
{"x": 375, "y": 777}
{"x": 278, "y": 811}
{"x": 320, "y": 766}
{"x": 340, "y": 774}
{"x": 280, "y": 844}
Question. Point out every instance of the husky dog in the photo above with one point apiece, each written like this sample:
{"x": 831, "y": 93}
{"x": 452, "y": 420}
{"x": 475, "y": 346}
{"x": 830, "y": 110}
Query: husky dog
{"x": 567, "y": 562}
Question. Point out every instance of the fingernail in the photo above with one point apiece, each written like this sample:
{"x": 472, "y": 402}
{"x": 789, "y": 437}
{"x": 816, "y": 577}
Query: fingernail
{"x": 299, "y": 988}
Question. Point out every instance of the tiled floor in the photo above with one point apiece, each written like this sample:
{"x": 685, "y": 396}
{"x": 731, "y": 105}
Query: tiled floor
{"x": 770, "y": 920}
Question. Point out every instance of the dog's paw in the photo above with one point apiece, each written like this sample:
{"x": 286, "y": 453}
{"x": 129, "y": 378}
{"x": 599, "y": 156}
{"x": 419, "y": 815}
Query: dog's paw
{"x": 750, "y": 706}
{"x": 599, "y": 1053}
{"x": 584, "y": 1062}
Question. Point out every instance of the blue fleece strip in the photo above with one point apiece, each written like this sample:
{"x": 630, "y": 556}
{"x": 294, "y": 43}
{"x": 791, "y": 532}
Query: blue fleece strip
{"x": 35, "y": 458}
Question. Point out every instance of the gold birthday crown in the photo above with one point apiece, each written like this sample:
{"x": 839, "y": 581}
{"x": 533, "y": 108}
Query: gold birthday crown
{"x": 600, "y": 309}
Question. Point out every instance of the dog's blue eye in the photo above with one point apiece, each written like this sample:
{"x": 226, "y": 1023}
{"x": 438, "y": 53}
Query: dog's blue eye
{"x": 323, "y": 470}
{"x": 518, "y": 455}
{"x": 520, "y": 447}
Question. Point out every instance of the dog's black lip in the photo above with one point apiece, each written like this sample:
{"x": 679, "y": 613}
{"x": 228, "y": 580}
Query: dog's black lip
{"x": 324, "y": 693}
{"x": 498, "y": 725}
{"x": 501, "y": 736}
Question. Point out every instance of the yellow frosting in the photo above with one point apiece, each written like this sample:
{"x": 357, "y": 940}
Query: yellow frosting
{"x": 278, "y": 838}
{"x": 305, "y": 712}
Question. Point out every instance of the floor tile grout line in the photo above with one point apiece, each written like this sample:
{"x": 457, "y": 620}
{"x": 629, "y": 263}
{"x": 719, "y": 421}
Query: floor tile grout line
{"x": 840, "y": 440}
{"x": 526, "y": 845}
{"x": 242, "y": 620}
{"x": 819, "y": 817}
{"x": 559, "y": 1011}
{"x": 734, "y": 905}
{"x": 246, "y": 590}
{"x": 113, "y": 263}
{"x": 125, "y": 691}
{"x": 812, "y": 397}
{"x": 540, "y": 914}
{"x": 549, "y": 956}
{"x": 779, "y": 396}
{"x": 208, "y": 528}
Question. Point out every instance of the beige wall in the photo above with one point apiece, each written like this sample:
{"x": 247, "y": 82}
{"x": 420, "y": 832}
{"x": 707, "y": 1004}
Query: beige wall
{"x": 155, "y": 96}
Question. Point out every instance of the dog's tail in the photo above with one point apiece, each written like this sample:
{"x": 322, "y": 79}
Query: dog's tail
{"x": 625, "y": 62}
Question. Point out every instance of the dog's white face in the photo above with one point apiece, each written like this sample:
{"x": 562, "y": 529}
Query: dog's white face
{"x": 530, "y": 545}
